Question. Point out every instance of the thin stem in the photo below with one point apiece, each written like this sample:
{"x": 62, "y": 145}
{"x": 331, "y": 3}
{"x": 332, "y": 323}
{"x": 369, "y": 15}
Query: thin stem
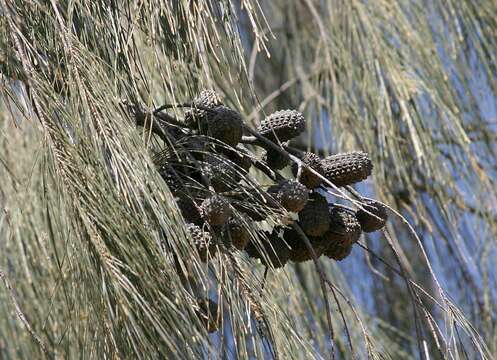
{"x": 344, "y": 207}
{"x": 170, "y": 120}
{"x": 299, "y": 172}
{"x": 143, "y": 118}
{"x": 266, "y": 143}
{"x": 250, "y": 140}
{"x": 170, "y": 106}
{"x": 351, "y": 190}
{"x": 322, "y": 279}
{"x": 294, "y": 151}
{"x": 273, "y": 175}
{"x": 264, "y": 277}
{"x": 187, "y": 105}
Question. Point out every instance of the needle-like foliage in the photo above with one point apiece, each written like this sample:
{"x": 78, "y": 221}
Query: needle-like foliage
{"x": 96, "y": 256}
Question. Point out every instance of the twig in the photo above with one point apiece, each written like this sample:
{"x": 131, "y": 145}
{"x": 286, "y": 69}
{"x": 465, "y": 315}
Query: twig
{"x": 419, "y": 337}
{"x": 344, "y": 207}
{"x": 254, "y": 305}
{"x": 299, "y": 172}
{"x": 187, "y": 105}
{"x": 266, "y": 143}
{"x": 273, "y": 175}
{"x": 264, "y": 277}
{"x": 143, "y": 117}
{"x": 334, "y": 289}
{"x": 322, "y": 278}
{"x": 351, "y": 190}
{"x": 170, "y": 120}
{"x": 170, "y": 106}
{"x": 250, "y": 140}
{"x": 155, "y": 127}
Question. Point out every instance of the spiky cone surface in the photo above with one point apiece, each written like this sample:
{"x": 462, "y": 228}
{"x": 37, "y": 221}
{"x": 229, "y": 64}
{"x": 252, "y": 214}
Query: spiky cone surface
{"x": 202, "y": 241}
{"x": 335, "y": 243}
{"x": 344, "y": 231}
{"x": 370, "y": 223}
{"x": 347, "y": 168}
{"x": 209, "y": 314}
{"x": 299, "y": 251}
{"x": 314, "y": 219}
{"x": 292, "y": 195}
{"x": 195, "y": 117}
{"x": 308, "y": 178}
{"x": 274, "y": 159}
{"x": 283, "y": 124}
{"x": 222, "y": 173}
{"x": 237, "y": 232}
{"x": 215, "y": 210}
{"x": 226, "y": 125}
{"x": 273, "y": 252}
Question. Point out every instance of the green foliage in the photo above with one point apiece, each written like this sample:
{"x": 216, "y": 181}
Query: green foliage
{"x": 95, "y": 258}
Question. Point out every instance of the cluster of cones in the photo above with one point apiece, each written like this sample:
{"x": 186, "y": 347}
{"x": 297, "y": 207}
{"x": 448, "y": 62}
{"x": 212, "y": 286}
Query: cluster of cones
{"x": 206, "y": 160}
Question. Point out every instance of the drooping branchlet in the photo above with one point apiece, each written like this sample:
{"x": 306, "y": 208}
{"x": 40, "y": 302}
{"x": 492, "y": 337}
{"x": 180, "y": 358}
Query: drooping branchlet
{"x": 205, "y": 155}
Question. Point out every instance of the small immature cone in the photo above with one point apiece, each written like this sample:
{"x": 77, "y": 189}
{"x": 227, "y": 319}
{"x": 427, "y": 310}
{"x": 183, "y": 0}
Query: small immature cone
{"x": 308, "y": 178}
{"x": 188, "y": 209}
{"x": 370, "y": 223}
{"x": 195, "y": 117}
{"x": 202, "y": 241}
{"x": 283, "y": 125}
{"x": 215, "y": 210}
{"x": 176, "y": 178}
{"x": 238, "y": 233}
{"x": 172, "y": 178}
{"x": 292, "y": 195}
{"x": 347, "y": 168}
